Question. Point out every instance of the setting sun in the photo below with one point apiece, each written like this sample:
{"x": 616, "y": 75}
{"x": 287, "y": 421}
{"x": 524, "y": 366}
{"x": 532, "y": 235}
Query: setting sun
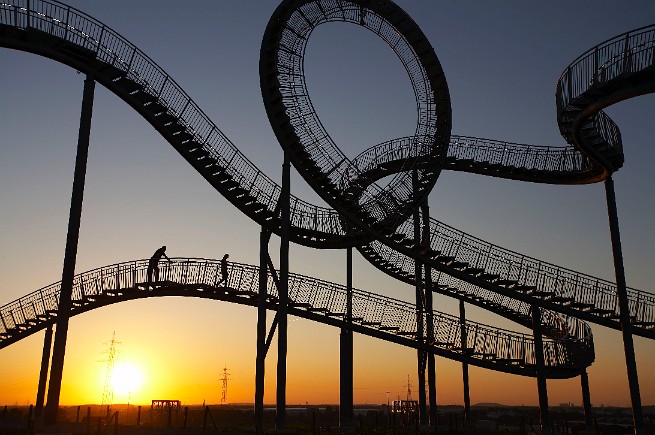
{"x": 126, "y": 378}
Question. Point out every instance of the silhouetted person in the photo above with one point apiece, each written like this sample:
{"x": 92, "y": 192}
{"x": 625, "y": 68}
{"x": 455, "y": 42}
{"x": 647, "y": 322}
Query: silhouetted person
{"x": 224, "y": 274}
{"x": 153, "y": 265}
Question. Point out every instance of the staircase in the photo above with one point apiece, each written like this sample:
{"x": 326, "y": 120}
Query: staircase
{"x": 322, "y": 301}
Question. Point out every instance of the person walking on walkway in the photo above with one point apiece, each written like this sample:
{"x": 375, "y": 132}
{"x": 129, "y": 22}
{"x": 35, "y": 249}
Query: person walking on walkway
{"x": 153, "y": 265}
{"x": 224, "y": 274}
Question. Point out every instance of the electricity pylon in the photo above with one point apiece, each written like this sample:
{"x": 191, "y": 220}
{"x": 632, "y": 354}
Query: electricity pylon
{"x": 224, "y": 378}
{"x": 108, "y": 390}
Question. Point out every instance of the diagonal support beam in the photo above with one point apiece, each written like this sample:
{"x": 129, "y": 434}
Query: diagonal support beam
{"x": 45, "y": 363}
{"x": 70, "y": 255}
{"x": 273, "y": 272}
{"x": 271, "y": 333}
{"x": 276, "y": 320}
{"x": 260, "y": 362}
{"x": 624, "y": 310}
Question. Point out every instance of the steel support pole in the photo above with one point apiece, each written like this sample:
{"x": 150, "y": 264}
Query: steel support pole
{"x": 586, "y": 401}
{"x": 429, "y": 309}
{"x": 420, "y": 306}
{"x": 465, "y": 366}
{"x": 346, "y": 384}
{"x": 260, "y": 363}
{"x": 43, "y": 376}
{"x": 70, "y": 255}
{"x": 624, "y": 310}
{"x": 285, "y": 223}
{"x": 541, "y": 369}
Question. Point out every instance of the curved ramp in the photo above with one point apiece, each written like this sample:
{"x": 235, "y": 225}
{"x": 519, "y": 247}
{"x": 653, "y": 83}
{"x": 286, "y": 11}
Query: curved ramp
{"x": 321, "y": 301}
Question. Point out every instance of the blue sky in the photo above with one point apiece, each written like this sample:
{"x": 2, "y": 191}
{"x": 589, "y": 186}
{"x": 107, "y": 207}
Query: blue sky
{"x": 501, "y": 60}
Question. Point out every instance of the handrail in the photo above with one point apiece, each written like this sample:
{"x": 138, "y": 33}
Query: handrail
{"x": 562, "y": 159}
{"x": 626, "y": 53}
{"x": 369, "y": 308}
{"x": 72, "y": 25}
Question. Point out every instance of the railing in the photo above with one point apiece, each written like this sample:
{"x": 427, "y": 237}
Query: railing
{"x": 623, "y": 54}
{"x": 509, "y": 265}
{"x": 74, "y": 26}
{"x": 368, "y": 308}
{"x": 555, "y": 325}
{"x": 289, "y": 93}
{"x": 505, "y": 154}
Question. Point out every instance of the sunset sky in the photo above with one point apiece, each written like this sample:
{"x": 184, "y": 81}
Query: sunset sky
{"x": 502, "y": 61}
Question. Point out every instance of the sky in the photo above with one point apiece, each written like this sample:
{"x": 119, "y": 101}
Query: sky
{"x": 502, "y": 61}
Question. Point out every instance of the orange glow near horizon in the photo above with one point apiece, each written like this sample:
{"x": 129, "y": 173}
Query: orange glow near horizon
{"x": 177, "y": 365}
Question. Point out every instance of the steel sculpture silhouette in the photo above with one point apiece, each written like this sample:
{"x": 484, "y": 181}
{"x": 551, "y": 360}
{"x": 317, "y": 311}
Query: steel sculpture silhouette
{"x": 377, "y": 220}
{"x": 378, "y": 316}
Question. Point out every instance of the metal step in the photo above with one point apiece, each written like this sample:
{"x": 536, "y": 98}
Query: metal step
{"x": 510, "y": 361}
{"x": 489, "y": 276}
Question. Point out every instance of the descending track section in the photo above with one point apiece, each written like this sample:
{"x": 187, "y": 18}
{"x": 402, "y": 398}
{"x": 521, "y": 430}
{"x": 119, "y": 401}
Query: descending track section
{"x": 498, "y": 279}
{"x": 620, "y": 68}
{"x": 321, "y": 301}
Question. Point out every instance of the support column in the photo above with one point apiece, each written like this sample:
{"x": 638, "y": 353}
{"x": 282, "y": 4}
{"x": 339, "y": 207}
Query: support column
{"x": 260, "y": 364}
{"x": 346, "y": 402}
{"x": 586, "y": 401}
{"x": 541, "y": 369}
{"x": 420, "y": 354}
{"x": 432, "y": 375}
{"x": 624, "y": 310}
{"x": 75, "y": 215}
{"x": 465, "y": 366}
{"x": 285, "y": 224}
{"x": 43, "y": 376}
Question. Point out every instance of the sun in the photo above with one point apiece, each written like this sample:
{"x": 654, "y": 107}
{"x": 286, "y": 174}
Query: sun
{"x": 126, "y": 378}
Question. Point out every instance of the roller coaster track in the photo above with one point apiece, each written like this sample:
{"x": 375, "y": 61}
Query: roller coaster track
{"x": 377, "y": 316}
{"x": 373, "y": 218}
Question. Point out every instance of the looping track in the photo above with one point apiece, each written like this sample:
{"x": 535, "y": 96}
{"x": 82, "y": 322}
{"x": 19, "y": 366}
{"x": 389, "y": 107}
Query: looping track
{"x": 464, "y": 266}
